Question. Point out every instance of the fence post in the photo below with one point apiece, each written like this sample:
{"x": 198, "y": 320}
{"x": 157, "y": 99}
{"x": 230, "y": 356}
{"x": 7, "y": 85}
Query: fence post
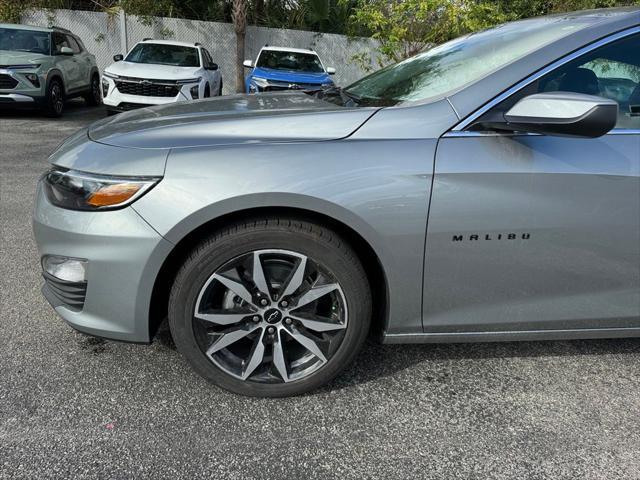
{"x": 124, "y": 41}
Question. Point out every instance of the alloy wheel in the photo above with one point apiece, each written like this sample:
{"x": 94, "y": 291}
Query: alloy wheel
{"x": 95, "y": 90}
{"x": 270, "y": 316}
{"x": 56, "y": 98}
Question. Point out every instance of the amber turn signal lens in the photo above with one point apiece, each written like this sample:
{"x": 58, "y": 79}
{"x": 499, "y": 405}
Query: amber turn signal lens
{"x": 110, "y": 195}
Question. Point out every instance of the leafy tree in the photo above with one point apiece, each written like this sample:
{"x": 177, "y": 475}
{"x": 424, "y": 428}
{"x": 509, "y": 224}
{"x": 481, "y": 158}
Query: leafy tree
{"x": 404, "y": 27}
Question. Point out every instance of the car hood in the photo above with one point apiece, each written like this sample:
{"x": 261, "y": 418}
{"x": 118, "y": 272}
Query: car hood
{"x": 151, "y": 71}
{"x": 291, "y": 76}
{"x": 235, "y": 119}
{"x": 8, "y": 57}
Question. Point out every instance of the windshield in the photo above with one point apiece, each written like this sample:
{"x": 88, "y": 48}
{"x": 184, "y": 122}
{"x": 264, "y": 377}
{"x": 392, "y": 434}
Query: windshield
{"x": 25, "y": 41}
{"x": 445, "y": 68}
{"x": 277, "y": 60}
{"x": 161, "y": 54}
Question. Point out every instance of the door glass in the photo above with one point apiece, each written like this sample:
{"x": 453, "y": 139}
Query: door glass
{"x": 611, "y": 71}
{"x": 73, "y": 44}
{"x": 60, "y": 41}
{"x": 207, "y": 58}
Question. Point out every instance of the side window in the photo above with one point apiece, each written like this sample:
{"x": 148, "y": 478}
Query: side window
{"x": 73, "y": 44}
{"x": 611, "y": 71}
{"x": 208, "y": 62}
{"x": 60, "y": 41}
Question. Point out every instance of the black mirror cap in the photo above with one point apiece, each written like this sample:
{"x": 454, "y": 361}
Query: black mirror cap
{"x": 599, "y": 120}
{"x": 213, "y": 66}
{"x": 118, "y": 58}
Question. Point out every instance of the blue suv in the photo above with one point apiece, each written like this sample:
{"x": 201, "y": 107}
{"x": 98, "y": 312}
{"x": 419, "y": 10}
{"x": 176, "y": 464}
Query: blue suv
{"x": 279, "y": 68}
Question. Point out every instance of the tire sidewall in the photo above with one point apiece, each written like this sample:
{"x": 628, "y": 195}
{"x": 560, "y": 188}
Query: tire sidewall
{"x": 51, "y": 111}
{"x": 207, "y": 260}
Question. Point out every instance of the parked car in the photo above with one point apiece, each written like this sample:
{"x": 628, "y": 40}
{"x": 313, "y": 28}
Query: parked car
{"x": 484, "y": 190}
{"x": 43, "y": 67}
{"x": 156, "y": 72}
{"x": 280, "y": 68}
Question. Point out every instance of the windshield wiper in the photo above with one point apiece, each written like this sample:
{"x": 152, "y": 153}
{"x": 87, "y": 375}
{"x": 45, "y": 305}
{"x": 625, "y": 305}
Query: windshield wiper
{"x": 329, "y": 94}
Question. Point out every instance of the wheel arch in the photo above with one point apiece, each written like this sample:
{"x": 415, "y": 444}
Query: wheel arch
{"x": 56, "y": 74}
{"x": 366, "y": 252}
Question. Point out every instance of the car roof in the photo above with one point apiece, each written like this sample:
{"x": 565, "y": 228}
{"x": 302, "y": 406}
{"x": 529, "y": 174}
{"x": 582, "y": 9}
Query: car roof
{"x": 287, "y": 49}
{"x": 34, "y": 28}
{"x": 171, "y": 42}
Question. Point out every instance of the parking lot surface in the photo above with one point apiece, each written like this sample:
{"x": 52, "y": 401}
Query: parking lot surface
{"x": 72, "y": 406}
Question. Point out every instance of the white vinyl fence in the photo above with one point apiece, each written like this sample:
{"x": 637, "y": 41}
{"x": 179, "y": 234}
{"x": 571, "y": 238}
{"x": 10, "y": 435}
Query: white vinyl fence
{"x": 106, "y": 35}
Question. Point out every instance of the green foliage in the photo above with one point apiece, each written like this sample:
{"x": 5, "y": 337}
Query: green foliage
{"x": 404, "y": 27}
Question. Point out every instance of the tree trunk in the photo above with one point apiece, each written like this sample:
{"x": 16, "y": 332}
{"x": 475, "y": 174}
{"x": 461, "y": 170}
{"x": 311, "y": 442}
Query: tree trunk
{"x": 239, "y": 62}
{"x": 239, "y": 15}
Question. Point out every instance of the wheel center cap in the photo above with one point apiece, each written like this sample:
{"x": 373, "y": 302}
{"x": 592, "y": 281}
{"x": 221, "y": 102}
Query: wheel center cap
{"x": 273, "y": 316}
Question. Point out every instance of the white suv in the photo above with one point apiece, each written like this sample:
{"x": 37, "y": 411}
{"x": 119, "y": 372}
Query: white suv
{"x": 156, "y": 72}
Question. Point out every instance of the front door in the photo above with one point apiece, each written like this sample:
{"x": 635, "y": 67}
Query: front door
{"x": 531, "y": 232}
{"x": 67, "y": 63}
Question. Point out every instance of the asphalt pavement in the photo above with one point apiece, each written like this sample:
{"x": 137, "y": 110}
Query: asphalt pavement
{"x": 76, "y": 407}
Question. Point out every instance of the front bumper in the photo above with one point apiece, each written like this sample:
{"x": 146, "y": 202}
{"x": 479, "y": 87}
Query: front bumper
{"x": 122, "y": 102}
{"x": 124, "y": 255}
{"x": 16, "y": 98}
{"x": 22, "y": 92}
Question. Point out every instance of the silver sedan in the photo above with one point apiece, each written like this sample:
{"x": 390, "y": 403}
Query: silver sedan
{"x": 487, "y": 189}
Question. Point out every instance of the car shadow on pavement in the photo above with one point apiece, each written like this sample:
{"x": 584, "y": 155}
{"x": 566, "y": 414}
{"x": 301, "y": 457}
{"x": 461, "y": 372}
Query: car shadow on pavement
{"x": 376, "y": 361}
{"x": 75, "y": 109}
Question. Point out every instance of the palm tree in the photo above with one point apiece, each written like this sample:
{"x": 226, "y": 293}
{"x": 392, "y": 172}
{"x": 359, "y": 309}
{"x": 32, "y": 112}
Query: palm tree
{"x": 239, "y": 15}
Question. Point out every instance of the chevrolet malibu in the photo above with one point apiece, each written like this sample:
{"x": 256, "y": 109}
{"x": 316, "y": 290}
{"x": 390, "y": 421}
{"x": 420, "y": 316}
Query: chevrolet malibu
{"x": 487, "y": 189}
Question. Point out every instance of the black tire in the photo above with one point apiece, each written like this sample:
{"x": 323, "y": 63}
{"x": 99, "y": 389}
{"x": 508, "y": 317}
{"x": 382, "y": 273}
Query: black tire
{"x": 54, "y": 106}
{"x": 207, "y": 91}
{"x": 94, "y": 97}
{"x": 220, "y": 89}
{"x": 306, "y": 238}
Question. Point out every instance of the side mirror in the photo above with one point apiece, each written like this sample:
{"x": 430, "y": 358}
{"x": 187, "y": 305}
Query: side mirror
{"x": 563, "y": 114}
{"x": 213, "y": 66}
{"x": 331, "y": 70}
{"x": 118, "y": 58}
{"x": 66, "y": 51}
{"x": 248, "y": 64}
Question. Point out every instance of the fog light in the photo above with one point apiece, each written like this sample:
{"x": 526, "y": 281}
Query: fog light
{"x": 33, "y": 78}
{"x": 194, "y": 92}
{"x": 105, "y": 88}
{"x": 65, "y": 268}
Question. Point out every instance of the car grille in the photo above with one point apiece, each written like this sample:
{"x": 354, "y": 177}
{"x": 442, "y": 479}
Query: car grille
{"x": 147, "y": 88}
{"x": 7, "y": 82}
{"x": 71, "y": 294}
{"x": 281, "y": 86}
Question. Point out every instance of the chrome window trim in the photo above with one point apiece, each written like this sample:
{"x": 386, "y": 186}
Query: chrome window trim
{"x": 527, "y": 81}
{"x": 452, "y": 134}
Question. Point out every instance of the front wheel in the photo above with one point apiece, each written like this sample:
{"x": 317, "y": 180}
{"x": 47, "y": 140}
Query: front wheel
{"x": 220, "y": 89}
{"x": 94, "y": 96}
{"x": 272, "y": 307}
{"x": 54, "y": 105}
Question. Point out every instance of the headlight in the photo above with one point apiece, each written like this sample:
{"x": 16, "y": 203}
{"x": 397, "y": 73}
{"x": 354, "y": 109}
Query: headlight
{"x": 110, "y": 75}
{"x": 188, "y": 81}
{"x": 260, "y": 82}
{"x": 75, "y": 190}
{"x": 33, "y": 66}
